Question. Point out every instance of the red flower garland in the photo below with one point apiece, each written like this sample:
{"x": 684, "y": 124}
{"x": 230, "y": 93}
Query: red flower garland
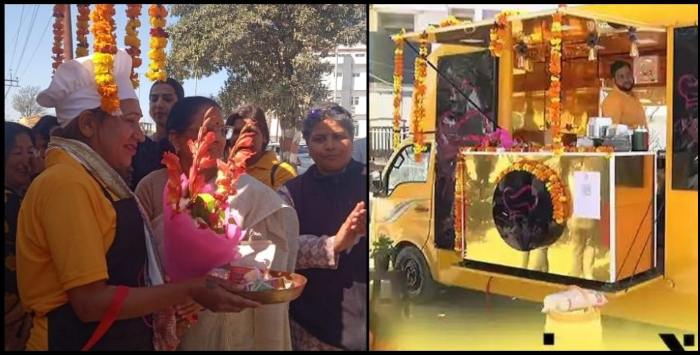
{"x": 81, "y": 49}
{"x": 59, "y": 12}
{"x": 133, "y": 12}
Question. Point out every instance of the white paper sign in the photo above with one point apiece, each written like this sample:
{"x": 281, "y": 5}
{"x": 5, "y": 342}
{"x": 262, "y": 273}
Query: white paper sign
{"x": 587, "y": 194}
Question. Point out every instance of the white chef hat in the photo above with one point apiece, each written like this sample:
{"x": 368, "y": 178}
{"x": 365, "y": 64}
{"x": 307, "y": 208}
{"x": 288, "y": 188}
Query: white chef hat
{"x": 73, "y": 88}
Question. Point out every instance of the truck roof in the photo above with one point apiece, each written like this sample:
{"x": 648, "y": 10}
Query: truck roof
{"x": 477, "y": 33}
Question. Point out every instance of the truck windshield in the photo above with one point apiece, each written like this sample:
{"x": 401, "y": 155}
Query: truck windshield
{"x": 406, "y": 169}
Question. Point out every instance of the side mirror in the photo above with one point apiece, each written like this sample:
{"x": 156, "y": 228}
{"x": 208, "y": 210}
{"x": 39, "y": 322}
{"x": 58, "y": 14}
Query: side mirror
{"x": 377, "y": 186}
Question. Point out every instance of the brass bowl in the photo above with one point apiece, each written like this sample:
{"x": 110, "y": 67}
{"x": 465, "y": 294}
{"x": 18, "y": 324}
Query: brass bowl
{"x": 278, "y": 296}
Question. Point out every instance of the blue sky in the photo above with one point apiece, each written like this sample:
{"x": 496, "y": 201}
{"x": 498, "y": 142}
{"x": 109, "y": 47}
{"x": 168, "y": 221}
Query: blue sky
{"x": 37, "y": 40}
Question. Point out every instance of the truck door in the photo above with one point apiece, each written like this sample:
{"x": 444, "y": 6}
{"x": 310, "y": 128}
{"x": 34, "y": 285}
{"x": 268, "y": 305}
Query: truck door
{"x": 404, "y": 212}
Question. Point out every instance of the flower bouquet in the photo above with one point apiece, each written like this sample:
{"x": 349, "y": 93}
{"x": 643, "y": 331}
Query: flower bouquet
{"x": 201, "y": 232}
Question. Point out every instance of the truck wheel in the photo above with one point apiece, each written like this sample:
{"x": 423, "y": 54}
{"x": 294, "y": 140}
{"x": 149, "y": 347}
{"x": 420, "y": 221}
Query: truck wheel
{"x": 419, "y": 284}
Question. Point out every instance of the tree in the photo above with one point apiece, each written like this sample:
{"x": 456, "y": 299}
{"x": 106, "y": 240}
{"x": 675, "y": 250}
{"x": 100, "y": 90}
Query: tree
{"x": 24, "y": 102}
{"x": 271, "y": 53}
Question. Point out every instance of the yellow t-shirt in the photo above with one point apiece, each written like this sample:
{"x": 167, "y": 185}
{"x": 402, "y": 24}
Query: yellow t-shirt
{"x": 262, "y": 170}
{"x": 624, "y": 109}
{"x": 65, "y": 227}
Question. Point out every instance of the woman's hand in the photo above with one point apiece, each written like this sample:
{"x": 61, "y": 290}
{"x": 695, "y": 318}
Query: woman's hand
{"x": 220, "y": 295}
{"x": 359, "y": 221}
{"x": 187, "y": 310}
{"x": 186, "y": 316}
{"x": 355, "y": 226}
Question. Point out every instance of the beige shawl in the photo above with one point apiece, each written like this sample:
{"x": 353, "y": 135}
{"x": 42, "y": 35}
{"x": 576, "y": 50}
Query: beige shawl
{"x": 111, "y": 180}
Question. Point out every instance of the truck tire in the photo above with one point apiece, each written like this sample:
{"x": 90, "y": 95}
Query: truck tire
{"x": 417, "y": 281}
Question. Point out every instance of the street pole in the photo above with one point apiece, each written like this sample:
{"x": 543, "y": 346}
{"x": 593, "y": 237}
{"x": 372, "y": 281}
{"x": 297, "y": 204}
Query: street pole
{"x": 11, "y": 83}
{"x": 67, "y": 35}
{"x": 335, "y": 77}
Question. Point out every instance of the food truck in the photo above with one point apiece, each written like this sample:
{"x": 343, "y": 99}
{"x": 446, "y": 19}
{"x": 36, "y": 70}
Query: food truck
{"x": 513, "y": 182}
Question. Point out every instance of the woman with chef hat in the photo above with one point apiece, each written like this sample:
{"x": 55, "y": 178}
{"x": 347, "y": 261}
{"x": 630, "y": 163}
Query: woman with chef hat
{"x": 84, "y": 250}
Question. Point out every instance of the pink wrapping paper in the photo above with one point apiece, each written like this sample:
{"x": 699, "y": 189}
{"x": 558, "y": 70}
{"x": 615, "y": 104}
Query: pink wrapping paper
{"x": 191, "y": 251}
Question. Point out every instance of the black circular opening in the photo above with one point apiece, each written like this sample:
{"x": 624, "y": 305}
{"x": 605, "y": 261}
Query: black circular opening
{"x": 522, "y": 212}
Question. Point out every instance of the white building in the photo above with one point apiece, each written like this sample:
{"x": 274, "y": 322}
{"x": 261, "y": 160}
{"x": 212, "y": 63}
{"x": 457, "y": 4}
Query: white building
{"x": 349, "y": 89}
{"x": 347, "y": 83}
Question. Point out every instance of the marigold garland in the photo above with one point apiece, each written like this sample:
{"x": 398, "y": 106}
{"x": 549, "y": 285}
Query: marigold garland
{"x": 459, "y": 208}
{"x": 59, "y": 12}
{"x": 398, "y": 82}
{"x": 421, "y": 72}
{"x": 158, "y": 42}
{"x": 133, "y": 12}
{"x": 81, "y": 48}
{"x": 105, "y": 48}
{"x": 553, "y": 183}
{"x": 498, "y": 33}
{"x": 534, "y": 147}
{"x": 449, "y": 21}
{"x": 554, "y": 92}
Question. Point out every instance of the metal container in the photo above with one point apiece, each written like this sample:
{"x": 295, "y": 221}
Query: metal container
{"x": 279, "y": 296}
{"x": 591, "y": 130}
{"x": 234, "y": 274}
{"x": 640, "y": 140}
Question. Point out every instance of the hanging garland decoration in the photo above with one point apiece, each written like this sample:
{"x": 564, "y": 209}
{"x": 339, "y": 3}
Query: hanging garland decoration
{"x": 159, "y": 40}
{"x": 105, "y": 48}
{"x": 133, "y": 12}
{"x": 81, "y": 48}
{"x": 59, "y": 12}
{"x": 554, "y": 91}
{"x": 421, "y": 72}
{"x": 449, "y": 21}
{"x": 459, "y": 210}
{"x": 553, "y": 183}
{"x": 497, "y": 34}
{"x": 527, "y": 147}
{"x": 398, "y": 82}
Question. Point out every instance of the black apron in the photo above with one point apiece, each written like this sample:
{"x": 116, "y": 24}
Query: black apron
{"x": 126, "y": 260}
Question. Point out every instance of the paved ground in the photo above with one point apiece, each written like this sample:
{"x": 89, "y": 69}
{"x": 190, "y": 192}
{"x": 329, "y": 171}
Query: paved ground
{"x": 460, "y": 319}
